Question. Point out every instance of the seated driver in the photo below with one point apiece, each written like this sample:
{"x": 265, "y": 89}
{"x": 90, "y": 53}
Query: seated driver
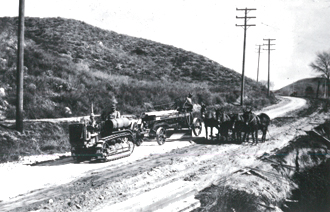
{"x": 188, "y": 103}
{"x": 113, "y": 113}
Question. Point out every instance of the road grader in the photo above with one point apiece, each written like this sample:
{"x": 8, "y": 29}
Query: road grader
{"x": 116, "y": 138}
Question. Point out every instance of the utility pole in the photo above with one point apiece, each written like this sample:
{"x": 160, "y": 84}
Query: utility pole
{"x": 325, "y": 88}
{"x": 244, "y": 44}
{"x": 258, "y": 62}
{"x": 269, "y": 49}
{"x": 318, "y": 89}
{"x": 20, "y": 66}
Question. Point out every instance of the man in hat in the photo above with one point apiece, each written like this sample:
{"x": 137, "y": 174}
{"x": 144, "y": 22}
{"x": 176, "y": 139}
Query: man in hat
{"x": 110, "y": 113}
{"x": 114, "y": 114}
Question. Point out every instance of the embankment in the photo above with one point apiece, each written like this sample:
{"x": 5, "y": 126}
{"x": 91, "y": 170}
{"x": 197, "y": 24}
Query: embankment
{"x": 294, "y": 178}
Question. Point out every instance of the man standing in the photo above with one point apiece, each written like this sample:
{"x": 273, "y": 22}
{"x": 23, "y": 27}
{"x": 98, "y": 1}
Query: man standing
{"x": 188, "y": 103}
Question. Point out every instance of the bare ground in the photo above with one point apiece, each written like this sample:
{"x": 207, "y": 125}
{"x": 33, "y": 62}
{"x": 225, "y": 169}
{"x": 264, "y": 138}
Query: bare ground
{"x": 158, "y": 177}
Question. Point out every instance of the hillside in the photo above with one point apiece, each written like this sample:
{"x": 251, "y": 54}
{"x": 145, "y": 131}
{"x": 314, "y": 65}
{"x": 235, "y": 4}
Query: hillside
{"x": 309, "y": 87}
{"x": 71, "y": 64}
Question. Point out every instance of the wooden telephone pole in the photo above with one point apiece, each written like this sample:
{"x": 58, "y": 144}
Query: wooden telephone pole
{"x": 20, "y": 66}
{"x": 244, "y": 44}
{"x": 269, "y": 49}
{"x": 258, "y": 62}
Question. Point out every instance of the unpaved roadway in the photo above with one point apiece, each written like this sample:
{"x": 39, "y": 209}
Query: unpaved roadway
{"x": 164, "y": 178}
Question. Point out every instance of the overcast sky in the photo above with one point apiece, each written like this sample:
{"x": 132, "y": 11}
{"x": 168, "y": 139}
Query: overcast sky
{"x": 207, "y": 27}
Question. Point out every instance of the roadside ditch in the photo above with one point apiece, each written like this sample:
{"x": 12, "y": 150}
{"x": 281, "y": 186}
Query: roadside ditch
{"x": 293, "y": 178}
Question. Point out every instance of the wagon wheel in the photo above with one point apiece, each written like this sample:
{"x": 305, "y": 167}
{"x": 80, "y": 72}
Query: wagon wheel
{"x": 187, "y": 118}
{"x": 197, "y": 126}
{"x": 160, "y": 135}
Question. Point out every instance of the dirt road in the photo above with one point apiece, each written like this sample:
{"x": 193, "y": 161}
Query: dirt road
{"x": 153, "y": 178}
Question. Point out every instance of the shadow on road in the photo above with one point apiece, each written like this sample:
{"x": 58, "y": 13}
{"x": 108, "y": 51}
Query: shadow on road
{"x": 214, "y": 141}
{"x": 63, "y": 160}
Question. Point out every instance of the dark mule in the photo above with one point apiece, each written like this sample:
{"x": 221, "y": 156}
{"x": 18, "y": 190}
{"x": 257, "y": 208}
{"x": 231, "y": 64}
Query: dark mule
{"x": 263, "y": 125}
{"x": 225, "y": 123}
{"x": 238, "y": 126}
{"x": 251, "y": 121}
{"x": 209, "y": 119}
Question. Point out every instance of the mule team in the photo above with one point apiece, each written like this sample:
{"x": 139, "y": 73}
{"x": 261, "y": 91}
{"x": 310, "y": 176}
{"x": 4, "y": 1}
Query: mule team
{"x": 246, "y": 124}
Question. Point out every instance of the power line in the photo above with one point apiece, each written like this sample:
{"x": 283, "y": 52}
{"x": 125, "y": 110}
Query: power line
{"x": 246, "y": 10}
{"x": 270, "y": 26}
{"x": 269, "y": 49}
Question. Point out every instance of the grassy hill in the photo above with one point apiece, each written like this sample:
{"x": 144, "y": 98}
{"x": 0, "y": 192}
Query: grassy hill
{"x": 71, "y": 64}
{"x": 309, "y": 87}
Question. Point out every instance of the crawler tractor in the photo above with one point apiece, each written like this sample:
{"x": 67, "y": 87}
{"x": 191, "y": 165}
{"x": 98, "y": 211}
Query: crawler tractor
{"x": 110, "y": 140}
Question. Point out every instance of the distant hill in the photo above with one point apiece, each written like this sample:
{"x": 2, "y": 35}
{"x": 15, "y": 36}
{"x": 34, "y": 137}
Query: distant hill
{"x": 309, "y": 87}
{"x": 70, "y": 64}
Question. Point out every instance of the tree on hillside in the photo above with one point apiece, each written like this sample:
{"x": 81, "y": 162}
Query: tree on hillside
{"x": 322, "y": 65}
{"x": 309, "y": 92}
{"x": 265, "y": 83}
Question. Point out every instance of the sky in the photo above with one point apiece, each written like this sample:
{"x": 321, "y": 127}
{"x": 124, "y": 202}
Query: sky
{"x": 300, "y": 28}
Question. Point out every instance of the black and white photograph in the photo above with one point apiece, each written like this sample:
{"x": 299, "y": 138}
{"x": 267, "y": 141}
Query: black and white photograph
{"x": 165, "y": 105}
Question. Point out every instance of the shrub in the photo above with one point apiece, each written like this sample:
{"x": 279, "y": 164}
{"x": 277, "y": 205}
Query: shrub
{"x": 217, "y": 99}
{"x": 10, "y": 113}
{"x": 231, "y": 97}
{"x": 204, "y": 96}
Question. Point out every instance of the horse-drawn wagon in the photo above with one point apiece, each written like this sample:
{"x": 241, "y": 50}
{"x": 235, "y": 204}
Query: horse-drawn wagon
{"x": 171, "y": 124}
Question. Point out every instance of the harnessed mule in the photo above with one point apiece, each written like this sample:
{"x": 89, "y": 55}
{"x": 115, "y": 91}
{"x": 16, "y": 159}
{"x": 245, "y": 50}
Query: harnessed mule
{"x": 238, "y": 126}
{"x": 251, "y": 126}
{"x": 209, "y": 119}
{"x": 225, "y": 123}
{"x": 263, "y": 125}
